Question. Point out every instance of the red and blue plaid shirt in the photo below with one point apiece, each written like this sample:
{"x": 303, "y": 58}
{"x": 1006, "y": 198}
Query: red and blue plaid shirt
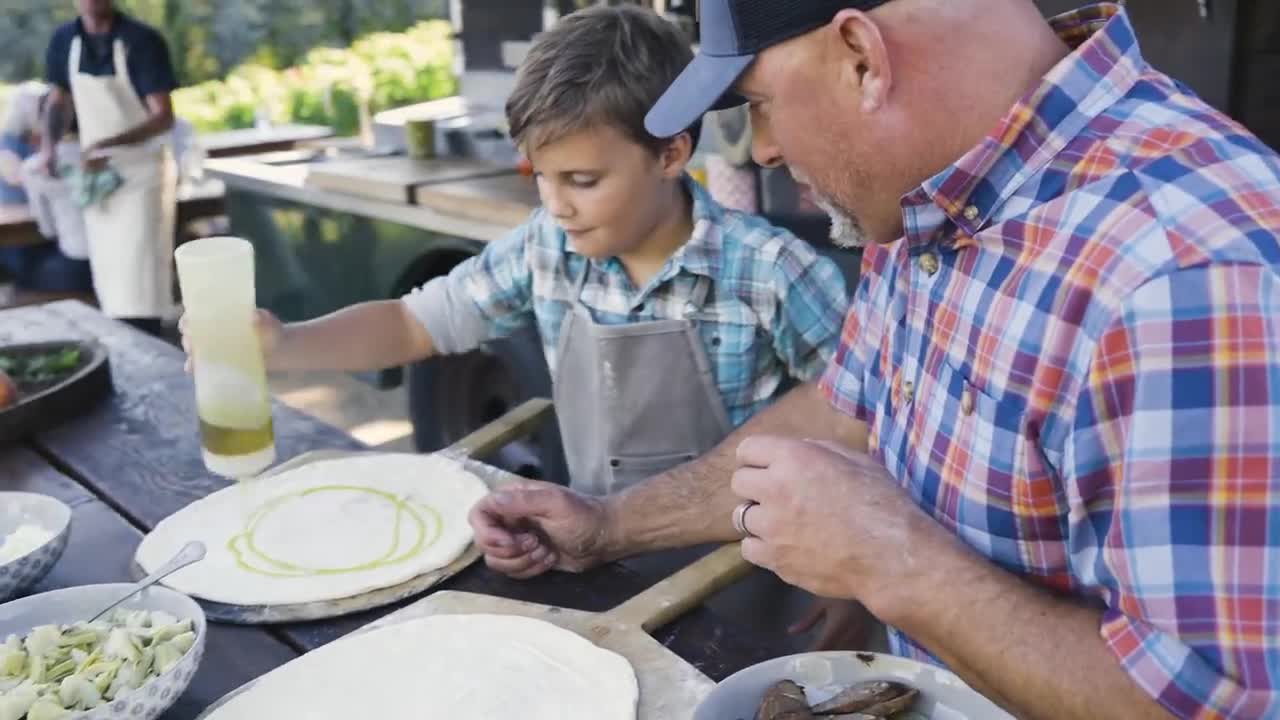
{"x": 1072, "y": 361}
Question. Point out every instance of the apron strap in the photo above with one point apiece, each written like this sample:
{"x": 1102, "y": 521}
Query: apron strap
{"x": 120, "y": 62}
{"x": 581, "y": 282}
{"x": 73, "y": 60}
{"x": 701, "y": 289}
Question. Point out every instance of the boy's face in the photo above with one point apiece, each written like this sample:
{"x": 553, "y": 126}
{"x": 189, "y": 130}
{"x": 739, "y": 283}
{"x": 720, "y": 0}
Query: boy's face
{"x": 606, "y": 191}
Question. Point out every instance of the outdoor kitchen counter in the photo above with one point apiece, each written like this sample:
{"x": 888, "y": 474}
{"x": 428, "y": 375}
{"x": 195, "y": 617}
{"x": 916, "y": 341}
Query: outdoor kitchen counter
{"x": 482, "y": 205}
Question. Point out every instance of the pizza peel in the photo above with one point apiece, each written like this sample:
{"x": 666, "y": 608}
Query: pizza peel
{"x": 485, "y": 441}
{"x": 670, "y": 687}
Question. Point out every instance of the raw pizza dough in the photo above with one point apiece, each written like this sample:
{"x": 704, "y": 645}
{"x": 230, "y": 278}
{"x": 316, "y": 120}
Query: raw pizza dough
{"x": 478, "y": 667}
{"x": 323, "y": 530}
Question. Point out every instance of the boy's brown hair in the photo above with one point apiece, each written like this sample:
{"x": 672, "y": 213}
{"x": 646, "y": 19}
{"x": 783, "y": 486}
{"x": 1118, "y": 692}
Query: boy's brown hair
{"x": 604, "y": 65}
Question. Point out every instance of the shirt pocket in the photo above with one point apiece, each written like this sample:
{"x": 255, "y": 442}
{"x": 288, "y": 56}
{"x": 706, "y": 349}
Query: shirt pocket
{"x": 739, "y": 350}
{"x": 974, "y": 463}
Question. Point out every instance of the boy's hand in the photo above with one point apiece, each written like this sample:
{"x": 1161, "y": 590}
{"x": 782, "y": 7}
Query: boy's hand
{"x": 269, "y": 328}
{"x": 531, "y": 527}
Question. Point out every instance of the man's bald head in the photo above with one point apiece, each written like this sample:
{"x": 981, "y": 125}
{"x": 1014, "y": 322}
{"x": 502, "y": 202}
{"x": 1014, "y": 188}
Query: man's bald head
{"x": 871, "y": 104}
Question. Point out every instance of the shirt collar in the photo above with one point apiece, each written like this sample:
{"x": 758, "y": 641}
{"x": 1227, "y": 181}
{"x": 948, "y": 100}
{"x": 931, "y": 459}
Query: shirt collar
{"x": 1104, "y": 65}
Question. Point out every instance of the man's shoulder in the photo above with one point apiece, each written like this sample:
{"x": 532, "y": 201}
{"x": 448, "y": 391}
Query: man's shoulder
{"x": 134, "y": 31}
{"x": 1159, "y": 182}
{"x": 63, "y": 34}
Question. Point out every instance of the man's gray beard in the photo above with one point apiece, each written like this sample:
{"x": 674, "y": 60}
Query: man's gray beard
{"x": 846, "y": 231}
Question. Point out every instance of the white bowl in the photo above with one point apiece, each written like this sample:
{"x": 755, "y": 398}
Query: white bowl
{"x": 75, "y": 604}
{"x": 21, "y": 508}
{"x": 943, "y": 696}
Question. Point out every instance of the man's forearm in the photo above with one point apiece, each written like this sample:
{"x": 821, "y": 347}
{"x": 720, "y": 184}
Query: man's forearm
{"x": 693, "y": 504}
{"x": 56, "y": 121}
{"x": 1040, "y": 656}
{"x": 155, "y": 124}
{"x": 369, "y": 336}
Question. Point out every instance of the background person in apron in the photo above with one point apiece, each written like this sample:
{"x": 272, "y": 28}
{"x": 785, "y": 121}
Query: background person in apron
{"x": 115, "y": 75}
{"x": 666, "y": 320}
{"x": 49, "y": 267}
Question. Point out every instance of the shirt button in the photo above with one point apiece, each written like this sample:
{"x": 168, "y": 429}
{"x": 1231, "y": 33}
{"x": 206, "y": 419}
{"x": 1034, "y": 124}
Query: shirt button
{"x": 908, "y": 391}
{"x": 928, "y": 263}
{"x": 689, "y": 309}
{"x": 971, "y": 213}
{"x": 966, "y": 401}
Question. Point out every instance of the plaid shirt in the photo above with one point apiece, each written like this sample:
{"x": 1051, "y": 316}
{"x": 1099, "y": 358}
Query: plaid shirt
{"x": 1072, "y": 361}
{"x": 773, "y": 311}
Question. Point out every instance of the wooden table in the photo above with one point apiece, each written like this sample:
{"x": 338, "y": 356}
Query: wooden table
{"x": 135, "y": 459}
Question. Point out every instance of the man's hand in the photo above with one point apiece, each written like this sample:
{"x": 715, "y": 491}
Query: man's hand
{"x": 270, "y": 331}
{"x": 829, "y": 520}
{"x": 47, "y": 162}
{"x": 528, "y": 528}
{"x": 92, "y": 159}
{"x": 846, "y": 625}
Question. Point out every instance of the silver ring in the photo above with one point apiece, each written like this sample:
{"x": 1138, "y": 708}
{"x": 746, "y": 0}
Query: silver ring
{"x": 740, "y": 518}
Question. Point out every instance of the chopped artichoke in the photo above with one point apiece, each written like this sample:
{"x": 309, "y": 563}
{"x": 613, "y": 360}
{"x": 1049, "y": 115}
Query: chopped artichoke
{"x": 43, "y": 639}
{"x": 184, "y": 642}
{"x": 60, "y": 670}
{"x": 36, "y": 673}
{"x": 160, "y": 618}
{"x": 103, "y": 675}
{"x": 45, "y": 709}
{"x": 78, "y": 691}
{"x": 121, "y": 644}
{"x": 13, "y": 661}
{"x": 15, "y": 703}
{"x": 167, "y": 656}
{"x": 80, "y": 637}
{"x": 161, "y": 633}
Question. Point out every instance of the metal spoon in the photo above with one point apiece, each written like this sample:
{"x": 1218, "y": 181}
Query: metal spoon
{"x": 191, "y": 552}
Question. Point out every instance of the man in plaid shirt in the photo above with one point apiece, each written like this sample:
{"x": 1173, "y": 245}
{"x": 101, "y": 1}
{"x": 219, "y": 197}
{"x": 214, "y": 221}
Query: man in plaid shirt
{"x": 1046, "y": 451}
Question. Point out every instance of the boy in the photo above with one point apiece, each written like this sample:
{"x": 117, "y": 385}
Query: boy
{"x": 666, "y": 320}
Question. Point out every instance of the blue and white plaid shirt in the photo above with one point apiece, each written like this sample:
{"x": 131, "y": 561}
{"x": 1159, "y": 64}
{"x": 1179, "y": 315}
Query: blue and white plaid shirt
{"x": 774, "y": 310}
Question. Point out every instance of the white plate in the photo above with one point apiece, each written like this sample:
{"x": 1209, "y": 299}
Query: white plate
{"x": 943, "y": 695}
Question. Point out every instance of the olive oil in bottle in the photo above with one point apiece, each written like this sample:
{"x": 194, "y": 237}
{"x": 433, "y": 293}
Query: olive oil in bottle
{"x": 236, "y": 435}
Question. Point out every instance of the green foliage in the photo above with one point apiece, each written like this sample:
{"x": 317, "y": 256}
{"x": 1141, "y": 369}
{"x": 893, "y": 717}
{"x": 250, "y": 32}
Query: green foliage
{"x": 208, "y": 38}
{"x": 330, "y": 86}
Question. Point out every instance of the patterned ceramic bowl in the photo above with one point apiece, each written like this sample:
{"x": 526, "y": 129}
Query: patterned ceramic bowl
{"x": 70, "y": 605}
{"x": 18, "y": 510}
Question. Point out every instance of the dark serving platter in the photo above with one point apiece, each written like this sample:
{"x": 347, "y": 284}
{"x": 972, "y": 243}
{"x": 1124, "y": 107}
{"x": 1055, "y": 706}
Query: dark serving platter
{"x": 47, "y": 402}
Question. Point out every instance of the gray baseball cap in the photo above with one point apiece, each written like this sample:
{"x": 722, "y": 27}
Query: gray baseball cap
{"x": 733, "y": 32}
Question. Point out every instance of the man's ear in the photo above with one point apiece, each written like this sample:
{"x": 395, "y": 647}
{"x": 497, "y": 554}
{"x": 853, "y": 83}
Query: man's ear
{"x": 675, "y": 155}
{"x": 859, "y": 47}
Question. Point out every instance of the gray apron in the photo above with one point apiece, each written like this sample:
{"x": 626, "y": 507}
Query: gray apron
{"x": 637, "y": 399}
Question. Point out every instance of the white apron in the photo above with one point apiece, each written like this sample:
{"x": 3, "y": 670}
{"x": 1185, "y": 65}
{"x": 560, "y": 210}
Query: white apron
{"x": 131, "y": 231}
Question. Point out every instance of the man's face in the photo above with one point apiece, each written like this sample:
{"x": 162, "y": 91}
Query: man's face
{"x": 805, "y": 114}
{"x": 606, "y": 191}
{"x": 95, "y": 8}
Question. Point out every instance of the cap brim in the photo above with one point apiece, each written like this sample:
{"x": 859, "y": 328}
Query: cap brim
{"x": 704, "y": 85}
